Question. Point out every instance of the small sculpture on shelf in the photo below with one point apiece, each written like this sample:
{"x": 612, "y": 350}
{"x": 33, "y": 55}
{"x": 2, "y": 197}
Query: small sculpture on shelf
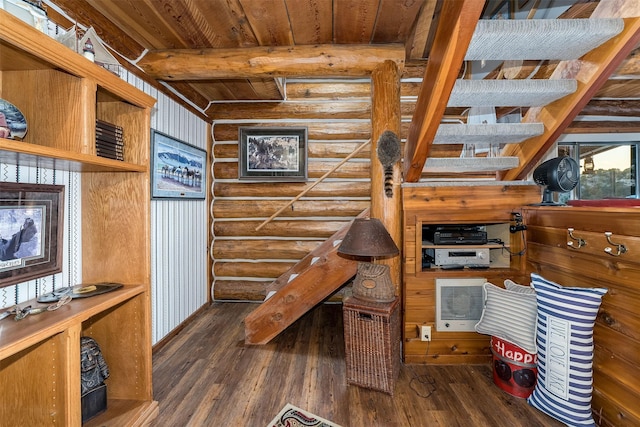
{"x": 88, "y": 51}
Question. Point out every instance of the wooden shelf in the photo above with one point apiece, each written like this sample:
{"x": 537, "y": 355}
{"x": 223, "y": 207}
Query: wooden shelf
{"x": 62, "y": 94}
{"x": 19, "y": 335}
{"x": 26, "y": 154}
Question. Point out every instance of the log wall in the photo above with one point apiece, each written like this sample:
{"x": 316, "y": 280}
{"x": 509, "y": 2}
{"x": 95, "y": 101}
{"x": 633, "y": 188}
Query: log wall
{"x": 616, "y": 376}
{"x": 246, "y": 260}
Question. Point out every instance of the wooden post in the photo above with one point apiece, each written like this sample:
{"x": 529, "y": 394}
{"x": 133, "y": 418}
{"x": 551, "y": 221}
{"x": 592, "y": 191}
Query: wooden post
{"x": 385, "y": 107}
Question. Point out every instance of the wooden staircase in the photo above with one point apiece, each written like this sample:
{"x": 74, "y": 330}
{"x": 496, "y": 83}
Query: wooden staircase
{"x": 302, "y": 287}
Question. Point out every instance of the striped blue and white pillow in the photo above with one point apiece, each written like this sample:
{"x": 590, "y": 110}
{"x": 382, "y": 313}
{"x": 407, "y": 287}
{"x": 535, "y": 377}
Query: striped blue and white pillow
{"x": 566, "y": 316}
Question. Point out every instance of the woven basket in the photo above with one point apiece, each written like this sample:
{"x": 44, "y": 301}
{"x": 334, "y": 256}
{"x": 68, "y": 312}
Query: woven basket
{"x": 372, "y": 343}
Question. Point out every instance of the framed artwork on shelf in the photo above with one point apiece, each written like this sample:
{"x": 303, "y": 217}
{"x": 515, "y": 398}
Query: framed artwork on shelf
{"x": 31, "y": 231}
{"x": 178, "y": 169}
{"x": 275, "y": 154}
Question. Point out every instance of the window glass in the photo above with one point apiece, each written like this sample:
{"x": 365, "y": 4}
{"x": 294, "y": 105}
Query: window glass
{"x": 606, "y": 170}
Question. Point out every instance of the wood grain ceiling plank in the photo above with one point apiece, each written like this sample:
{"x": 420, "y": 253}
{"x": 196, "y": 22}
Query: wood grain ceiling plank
{"x": 455, "y": 29}
{"x": 269, "y": 20}
{"x": 354, "y": 20}
{"x": 395, "y": 20}
{"x": 141, "y": 20}
{"x": 311, "y": 23}
{"x": 612, "y": 107}
{"x": 187, "y": 23}
{"x": 418, "y": 42}
{"x": 592, "y": 70}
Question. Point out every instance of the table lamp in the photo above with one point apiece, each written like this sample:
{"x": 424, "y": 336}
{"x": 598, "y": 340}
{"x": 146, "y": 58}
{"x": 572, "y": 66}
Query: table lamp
{"x": 368, "y": 238}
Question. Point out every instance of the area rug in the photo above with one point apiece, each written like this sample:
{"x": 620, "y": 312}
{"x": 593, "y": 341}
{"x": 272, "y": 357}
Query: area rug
{"x": 291, "y": 416}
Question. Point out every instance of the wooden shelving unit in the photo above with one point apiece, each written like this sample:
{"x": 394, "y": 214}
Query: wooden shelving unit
{"x": 61, "y": 95}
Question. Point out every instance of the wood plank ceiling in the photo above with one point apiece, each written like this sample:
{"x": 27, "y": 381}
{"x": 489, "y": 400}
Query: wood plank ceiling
{"x": 189, "y": 46}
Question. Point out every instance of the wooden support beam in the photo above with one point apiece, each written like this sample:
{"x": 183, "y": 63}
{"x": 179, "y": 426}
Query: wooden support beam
{"x": 385, "y": 106}
{"x": 612, "y": 107}
{"x": 458, "y": 20}
{"x": 270, "y": 61}
{"x": 591, "y": 71}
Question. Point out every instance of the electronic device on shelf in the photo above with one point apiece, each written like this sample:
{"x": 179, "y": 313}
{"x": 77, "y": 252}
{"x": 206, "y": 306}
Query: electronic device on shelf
{"x": 456, "y": 235}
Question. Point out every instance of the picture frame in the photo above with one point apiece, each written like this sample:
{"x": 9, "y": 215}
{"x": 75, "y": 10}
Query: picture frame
{"x": 178, "y": 169}
{"x": 31, "y": 231}
{"x": 272, "y": 153}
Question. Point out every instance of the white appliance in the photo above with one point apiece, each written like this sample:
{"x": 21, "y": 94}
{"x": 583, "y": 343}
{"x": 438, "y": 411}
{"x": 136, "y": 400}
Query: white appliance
{"x": 459, "y": 303}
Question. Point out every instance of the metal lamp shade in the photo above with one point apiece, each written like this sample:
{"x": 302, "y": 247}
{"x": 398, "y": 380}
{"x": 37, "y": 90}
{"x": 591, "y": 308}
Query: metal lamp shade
{"x": 367, "y": 237}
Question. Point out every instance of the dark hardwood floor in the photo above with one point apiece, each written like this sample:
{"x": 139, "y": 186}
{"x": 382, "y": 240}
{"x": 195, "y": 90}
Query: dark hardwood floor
{"x": 207, "y": 376}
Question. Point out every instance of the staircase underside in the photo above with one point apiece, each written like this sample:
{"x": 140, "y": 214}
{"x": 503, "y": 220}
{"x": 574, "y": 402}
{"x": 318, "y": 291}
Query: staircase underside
{"x": 318, "y": 275}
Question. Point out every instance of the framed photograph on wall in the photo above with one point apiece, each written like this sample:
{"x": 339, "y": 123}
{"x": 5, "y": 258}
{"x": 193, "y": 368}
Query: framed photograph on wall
{"x": 277, "y": 154}
{"x": 178, "y": 169}
{"x": 31, "y": 231}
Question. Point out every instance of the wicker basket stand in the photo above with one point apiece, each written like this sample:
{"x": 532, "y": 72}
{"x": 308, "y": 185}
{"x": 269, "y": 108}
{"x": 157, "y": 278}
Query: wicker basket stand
{"x": 372, "y": 343}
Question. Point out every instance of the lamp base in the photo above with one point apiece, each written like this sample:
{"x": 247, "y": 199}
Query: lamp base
{"x": 373, "y": 283}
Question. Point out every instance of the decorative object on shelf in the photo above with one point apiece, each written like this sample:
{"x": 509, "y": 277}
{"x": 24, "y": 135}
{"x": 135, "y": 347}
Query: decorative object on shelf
{"x": 367, "y": 237}
{"x": 76, "y": 39}
{"x": 178, "y": 170}
{"x": 109, "y": 140}
{"x": 13, "y": 125}
{"x": 88, "y": 50}
{"x": 32, "y": 12}
{"x": 31, "y": 231}
{"x": 79, "y": 291}
{"x": 93, "y": 372}
{"x": 276, "y": 154}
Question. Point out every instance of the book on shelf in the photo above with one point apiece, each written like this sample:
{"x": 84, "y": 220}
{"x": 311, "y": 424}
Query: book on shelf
{"x": 108, "y": 155}
{"x": 106, "y": 126}
{"x": 109, "y": 142}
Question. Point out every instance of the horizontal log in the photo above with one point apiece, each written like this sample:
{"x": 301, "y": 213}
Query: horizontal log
{"x": 301, "y": 208}
{"x": 263, "y": 249}
{"x": 322, "y": 110}
{"x": 279, "y": 227}
{"x": 315, "y": 150}
{"x": 328, "y": 131}
{"x": 239, "y": 290}
{"x": 265, "y": 270}
{"x": 603, "y": 127}
{"x": 349, "y": 170}
{"x": 269, "y": 61}
{"x": 335, "y": 91}
{"x": 349, "y": 189}
{"x": 609, "y": 107}
{"x": 342, "y": 110}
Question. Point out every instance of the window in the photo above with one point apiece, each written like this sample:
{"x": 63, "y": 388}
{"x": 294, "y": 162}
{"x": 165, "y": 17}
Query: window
{"x": 607, "y": 170}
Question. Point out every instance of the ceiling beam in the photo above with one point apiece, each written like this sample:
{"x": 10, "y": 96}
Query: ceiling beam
{"x": 457, "y": 22}
{"x": 591, "y": 71}
{"x": 270, "y": 61}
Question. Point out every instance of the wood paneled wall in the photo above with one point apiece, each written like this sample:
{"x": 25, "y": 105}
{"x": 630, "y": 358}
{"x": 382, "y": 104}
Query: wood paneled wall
{"x": 451, "y": 203}
{"x": 617, "y": 330}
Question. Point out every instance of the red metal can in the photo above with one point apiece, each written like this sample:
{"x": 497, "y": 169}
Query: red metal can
{"x": 514, "y": 369}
